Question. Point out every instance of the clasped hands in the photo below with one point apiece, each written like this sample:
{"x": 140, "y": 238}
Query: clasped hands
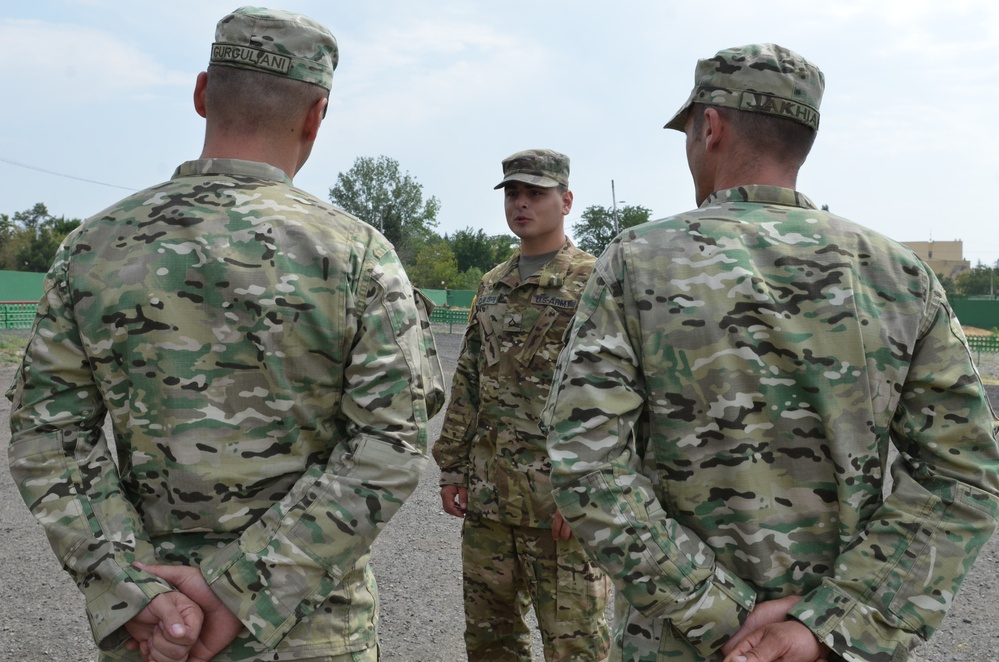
{"x": 768, "y": 636}
{"x": 189, "y": 624}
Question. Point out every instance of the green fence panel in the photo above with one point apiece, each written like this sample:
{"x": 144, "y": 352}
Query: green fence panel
{"x": 17, "y": 315}
{"x": 439, "y": 297}
{"x": 984, "y": 344}
{"x": 450, "y": 298}
{"x": 19, "y": 295}
{"x": 460, "y": 298}
{"x": 20, "y": 286}
{"x": 980, "y": 313}
{"x": 450, "y": 316}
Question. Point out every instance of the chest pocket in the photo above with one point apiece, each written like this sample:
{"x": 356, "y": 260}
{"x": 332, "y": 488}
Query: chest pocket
{"x": 539, "y": 333}
{"x": 496, "y": 323}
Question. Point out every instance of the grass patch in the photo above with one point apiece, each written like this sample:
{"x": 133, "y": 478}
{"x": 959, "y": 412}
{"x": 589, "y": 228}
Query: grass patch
{"x": 12, "y": 346}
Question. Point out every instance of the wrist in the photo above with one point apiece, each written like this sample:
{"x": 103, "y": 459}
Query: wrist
{"x": 824, "y": 650}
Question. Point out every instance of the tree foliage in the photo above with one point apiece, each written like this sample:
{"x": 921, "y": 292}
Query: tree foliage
{"x": 982, "y": 279}
{"x": 468, "y": 280}
{"x": 376, "y": 191}
{"x": 435, "y": 267}
{"x": 29, "y": 240}
{"x": 476, "y": 249}
{"x": 596, "y": 227}
{"x": 950, "y": 287}
{"x": 11, "y": 240}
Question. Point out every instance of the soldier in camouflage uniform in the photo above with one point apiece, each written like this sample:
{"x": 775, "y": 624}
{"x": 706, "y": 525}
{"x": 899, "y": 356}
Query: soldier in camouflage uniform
{"x": 720, "y": 421}
{"x": 516, "y": 548}
{"x": 268, "y": 370}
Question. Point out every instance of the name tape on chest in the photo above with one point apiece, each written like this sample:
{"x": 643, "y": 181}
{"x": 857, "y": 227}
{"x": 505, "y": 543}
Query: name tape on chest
{"x": 555, "y": 302}
{"x": 537, "y": 300}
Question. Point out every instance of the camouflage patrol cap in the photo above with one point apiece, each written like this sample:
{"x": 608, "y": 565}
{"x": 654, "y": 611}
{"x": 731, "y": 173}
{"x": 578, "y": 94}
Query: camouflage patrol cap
{"x": 276, "y": 42}
{"x": 758, "y": 78}
{"x": 538, "y": 167}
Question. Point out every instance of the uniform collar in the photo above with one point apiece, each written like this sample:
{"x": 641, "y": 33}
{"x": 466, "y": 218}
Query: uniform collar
{"x": 757, "y": 193}
{"x": 232, "y": 167}
{"x": 551, "y": 275}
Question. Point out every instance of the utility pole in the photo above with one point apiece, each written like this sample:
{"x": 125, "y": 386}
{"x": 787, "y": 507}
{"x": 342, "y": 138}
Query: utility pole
{"x": 614, "y": 208}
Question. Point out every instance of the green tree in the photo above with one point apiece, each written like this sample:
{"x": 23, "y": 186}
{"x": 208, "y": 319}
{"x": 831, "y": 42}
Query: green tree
{"x": 468, "y": 280}
{"x": 950, "y": 287}
{"x": 8, "y": 231}
{"x": 503, "y": 247}
{"x": 474, "y": 248}
{"x": 34, "y": 218}
{"x": 596, "y": 227}
{"x": 982, "y": 279}
{"x": 377, "y": 192}
{"x": 29, "y": 240}
{"x": 435, "y": 267}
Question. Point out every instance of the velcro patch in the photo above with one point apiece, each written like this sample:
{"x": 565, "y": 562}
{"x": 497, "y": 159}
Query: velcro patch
{"x": 765, "y": 103}
{"x": 255, "y": 57}
{"x": 556, "y": 302}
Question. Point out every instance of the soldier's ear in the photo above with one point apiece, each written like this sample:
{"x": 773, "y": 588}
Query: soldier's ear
{"x": 714, "y": 128}
{"x": 314, "y": 118}
{"x": 199, "y": 93}
{"x": 566, "y": 203}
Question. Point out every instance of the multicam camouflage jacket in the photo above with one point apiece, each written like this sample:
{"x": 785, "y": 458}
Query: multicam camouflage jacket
{"x": 720, "y": 423}
{"x": 490, "y": 441}
{"x": 268, "y": 371}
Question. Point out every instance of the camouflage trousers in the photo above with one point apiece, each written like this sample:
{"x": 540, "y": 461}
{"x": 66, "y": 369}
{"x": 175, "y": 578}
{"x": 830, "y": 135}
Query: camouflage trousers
{"x": 507, "y": 569}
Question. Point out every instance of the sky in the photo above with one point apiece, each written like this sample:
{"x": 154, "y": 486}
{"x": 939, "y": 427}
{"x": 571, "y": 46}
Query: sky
{"x": 97, "y": 101}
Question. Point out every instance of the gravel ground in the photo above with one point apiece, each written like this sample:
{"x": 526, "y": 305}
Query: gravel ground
{"x": 416, "y": 560}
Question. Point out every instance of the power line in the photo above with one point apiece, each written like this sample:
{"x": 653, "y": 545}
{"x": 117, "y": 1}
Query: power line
{"x": 60, "y": 174}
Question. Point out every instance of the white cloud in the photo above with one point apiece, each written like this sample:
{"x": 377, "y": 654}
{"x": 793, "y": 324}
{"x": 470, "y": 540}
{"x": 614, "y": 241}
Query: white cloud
{"x": 73, "y": 64}
{"x": 412, "y": 71}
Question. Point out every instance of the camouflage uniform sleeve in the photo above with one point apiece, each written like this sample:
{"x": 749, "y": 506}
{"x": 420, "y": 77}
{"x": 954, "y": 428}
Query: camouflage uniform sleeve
{"x": 662, "y": 568}
{"x": 61, "y": 463}
{"x": 288, "y": 562}
{"x": 893, "y": 584}
{"x": 432, "y": 377}
{"x": 451, "y": 450}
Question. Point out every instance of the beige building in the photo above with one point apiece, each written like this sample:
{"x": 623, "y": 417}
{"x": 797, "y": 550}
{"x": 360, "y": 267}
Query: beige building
{"x": 946, "y": 258}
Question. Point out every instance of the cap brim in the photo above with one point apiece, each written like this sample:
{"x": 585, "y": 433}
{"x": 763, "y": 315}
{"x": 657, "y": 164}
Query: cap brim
{"x": 679, "y": 119}
{"x": 533, "y": 180}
